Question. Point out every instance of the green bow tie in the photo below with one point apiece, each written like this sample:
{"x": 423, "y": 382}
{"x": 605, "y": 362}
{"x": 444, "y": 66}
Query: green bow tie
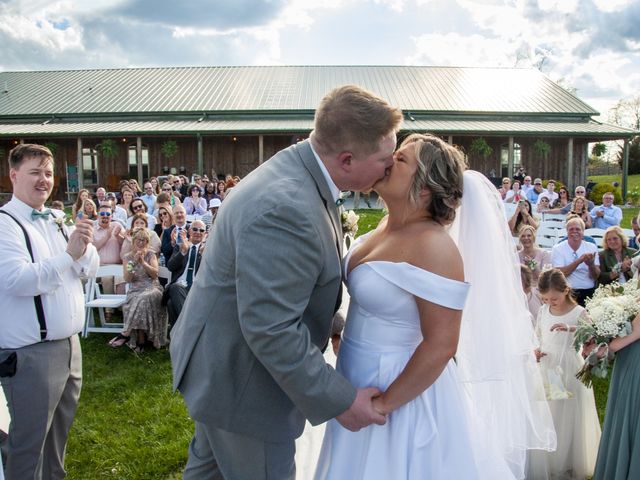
{"x": 35, "y": 214}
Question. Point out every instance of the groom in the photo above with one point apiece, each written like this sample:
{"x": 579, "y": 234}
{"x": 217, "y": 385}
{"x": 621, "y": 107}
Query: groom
{"x": 246, "y": 350}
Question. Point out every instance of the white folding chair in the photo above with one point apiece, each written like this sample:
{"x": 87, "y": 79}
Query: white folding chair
{"x": 545, "y": 242}
{"x": 597, "y": 234}
{"x": 164, "y": 272}
{"x": 94, "y": 298}
{"x": 554, "y": 217}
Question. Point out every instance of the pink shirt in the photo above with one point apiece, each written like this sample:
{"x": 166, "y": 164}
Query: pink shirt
{"x": 110, "y": 251}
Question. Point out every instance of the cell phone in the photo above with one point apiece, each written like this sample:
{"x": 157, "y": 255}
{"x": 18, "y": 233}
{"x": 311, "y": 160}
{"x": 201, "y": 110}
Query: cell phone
{"x": 79, "y": 215}
{"x": 179, "y": 236}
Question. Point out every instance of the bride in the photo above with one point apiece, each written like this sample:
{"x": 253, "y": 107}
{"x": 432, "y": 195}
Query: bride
{"x": 407, "y": 285}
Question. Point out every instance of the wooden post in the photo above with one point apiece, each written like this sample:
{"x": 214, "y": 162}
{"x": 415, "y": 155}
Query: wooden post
{"x": 625, "y": 170}
{"x": 260, "y": 149}
{"x": 510, "y": 159}
{"x": 139, "y": 159}
{"x": 79, "y": 161}
{"x": 571, "y": 184}
{"x": 200, "y": 156}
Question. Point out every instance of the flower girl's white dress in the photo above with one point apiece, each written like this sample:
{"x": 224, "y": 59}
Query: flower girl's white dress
{"x": 427, "y": 438}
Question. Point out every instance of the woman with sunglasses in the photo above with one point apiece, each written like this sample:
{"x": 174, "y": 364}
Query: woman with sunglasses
{"x": 165, "y": 219}
{"x": 563, "y": 198}
{"x": 579, "y": 208}
{"x": 544, "y": 203}
{"x": 173, "y": 198}
{"x": 506, "y": 187}
{"x": 194, "y": 204}
{"x": 83, "y": 195}
{"x": 139, "y": 220}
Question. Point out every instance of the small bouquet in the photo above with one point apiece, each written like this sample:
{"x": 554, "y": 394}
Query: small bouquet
{"x": 349, "y": 221}
{"x": 131, "y": 266}
{"x": 610, "y": 312}
{"x": 532, "y": 263}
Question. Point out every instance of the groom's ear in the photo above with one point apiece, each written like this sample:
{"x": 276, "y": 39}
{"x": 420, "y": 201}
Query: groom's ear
{"x": 345, "y": 158}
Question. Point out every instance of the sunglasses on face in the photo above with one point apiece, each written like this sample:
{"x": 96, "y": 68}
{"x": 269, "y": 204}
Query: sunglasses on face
{"x": 137, "y": 207}
{"x": 105, "y": 214}
{"x": 162, "y": 214}
{"x": 199, "y": 230}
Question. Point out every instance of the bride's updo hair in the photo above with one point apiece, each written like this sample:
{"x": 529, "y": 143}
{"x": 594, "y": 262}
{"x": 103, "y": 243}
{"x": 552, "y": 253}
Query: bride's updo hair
{"x": 440, "y": 168}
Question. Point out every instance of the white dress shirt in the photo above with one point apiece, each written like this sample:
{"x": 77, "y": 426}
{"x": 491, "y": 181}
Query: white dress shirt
{"x": 54, "y": 275}
{"x": 335, "y": 191}
{"x": 562, "y": 255}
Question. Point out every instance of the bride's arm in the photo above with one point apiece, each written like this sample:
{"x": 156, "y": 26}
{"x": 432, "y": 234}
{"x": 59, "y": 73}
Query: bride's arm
{"x": 440, "y": 329}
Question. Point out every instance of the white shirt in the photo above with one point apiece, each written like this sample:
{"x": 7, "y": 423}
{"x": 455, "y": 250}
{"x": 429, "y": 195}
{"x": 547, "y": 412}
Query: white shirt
{"x": 562, "y": 255}
{"x": 54, "y": 275}
{"x": 120, "y": 214}
{"x": 335, "y": 191}
{"x": 150, "y": 201}
{"x": 182, "y": 280}
{"x": 151, "y": 221}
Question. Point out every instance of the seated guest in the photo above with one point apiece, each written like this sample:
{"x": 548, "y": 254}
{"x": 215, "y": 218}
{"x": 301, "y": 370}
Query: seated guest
{"x": 139, "y": 220}
{"x": 506, "y": 187}
{"x": 580, "y": 191}
{"x": 169, "y": 236}
{"x": 100, "y": 197}
{"x": 544, "y": 203}
{"x": 535, "y": 191}
{"x": 194, "y": 204}
{"x": 615, "y": 258}
{"x": 164, "y": 220}
{"x": 126, "y": 197}
{"x": 57, "y": 205}
{"x": 579, "y": 208}
{"x": 530, "y": 254}
{"x": 88, "y": 210}
{"x": 119, "y": 214}
{"x": 222, "y": 189}
{"x": 550, "y": 191}
{"x": 515, "y": 194}
{"x": 183, "y": 264}
{"x": 606, "y": 215}
{"x": 522, "y": 216}
{"x": 173, "y": 197}
{"x": 563, "y": 198}
{"x": 108, "y": 238}
{"x": 135, "y": 188}
{"x": 578, "y": 260}
{"x": 145, "y": 319}
{"x": 137, "y": 206}
{"x": 83, "y": 194}
{"x": 149, "y": 198}
{"x": 210, "y": 192}
{"x": 210, "y": 217}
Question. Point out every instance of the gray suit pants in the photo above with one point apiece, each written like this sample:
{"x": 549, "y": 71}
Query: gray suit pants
{"x": 216, "y": 454}
{"x": 42, "y": 397}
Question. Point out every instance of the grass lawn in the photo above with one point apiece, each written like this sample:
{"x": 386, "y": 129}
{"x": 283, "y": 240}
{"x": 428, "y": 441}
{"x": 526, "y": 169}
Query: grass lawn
{"x": 130, "y": 426}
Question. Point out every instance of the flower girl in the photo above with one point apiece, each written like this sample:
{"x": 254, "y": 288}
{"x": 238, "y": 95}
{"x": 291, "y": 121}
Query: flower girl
{"x": 572, "y": 404}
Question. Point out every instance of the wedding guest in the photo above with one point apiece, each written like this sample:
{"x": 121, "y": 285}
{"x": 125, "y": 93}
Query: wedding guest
{"x": 526, "y": 185}
{"x": 210, "y": 192}
{"x": 534, "y": 193}
{"x": 42, "y": 301}
{"x": 515, "y": 194}
{"x": 58, "y": 205}
{"x": 88, "y": 210}
{"x": 563, "y": 198}
{"x": 126, "y": 198}
{"x": 101, "y": 196}
{"x": 606, "y": 215}
{"x": 165, "y": 220}
{"x": 138, "y": 221}
{"x": 145, "y": 320}
{"x": 210, "y": 217}
{"x": 194, "y": 204}
{"x": 522, "y": 216}
{"x": 579, "y": 208}
{"x": 222, "y": 189}
{"x": 506, "y": 187}
{"x": 169, "y": 238}
{"x": 572, "y": 404}
{"x": 550, "y": 191}
{"x": 183, "y": 264}
{"x": 154, "y": 185}
{"x": 135, "y": 188}
{"x": 120, "y": 215}
{"x": 633, "y": 240}
{"x": 149, "y": 198}
{"x": 530, "y": 254}
{"x": 615, "y": 257}
{"x": 137, "y": 206}
{"x": 173, "y": 198}
{"x": 619, "y": 451}
{"x": 83, "y": 194}
{"x": 544, "y": 203}
{"x": 578, "y": 260}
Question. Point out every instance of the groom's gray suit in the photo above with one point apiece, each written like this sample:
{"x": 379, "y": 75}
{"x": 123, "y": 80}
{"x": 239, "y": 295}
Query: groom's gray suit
{"x": 246, "y": 348}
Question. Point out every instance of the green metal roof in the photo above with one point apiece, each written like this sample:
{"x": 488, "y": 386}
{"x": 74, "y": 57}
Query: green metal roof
{"x": 195, "y": 90}
{"x": 304, "y": 125}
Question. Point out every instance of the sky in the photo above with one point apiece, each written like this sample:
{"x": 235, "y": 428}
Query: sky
{"x": 592, "y": 46}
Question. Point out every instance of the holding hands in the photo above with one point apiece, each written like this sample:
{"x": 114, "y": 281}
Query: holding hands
{"x": 363, "y": 411}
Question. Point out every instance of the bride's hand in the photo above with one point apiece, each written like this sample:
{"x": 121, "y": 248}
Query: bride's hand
{"x": 539, "y": 354}
{"x": 377, "y": 405}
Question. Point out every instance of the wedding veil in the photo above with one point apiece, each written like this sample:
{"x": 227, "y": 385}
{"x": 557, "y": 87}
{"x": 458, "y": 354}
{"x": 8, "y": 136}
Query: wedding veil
{"x": 496, "y": 364}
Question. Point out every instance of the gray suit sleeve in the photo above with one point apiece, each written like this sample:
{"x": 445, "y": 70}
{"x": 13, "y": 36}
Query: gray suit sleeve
{"x": 279, "y": 262}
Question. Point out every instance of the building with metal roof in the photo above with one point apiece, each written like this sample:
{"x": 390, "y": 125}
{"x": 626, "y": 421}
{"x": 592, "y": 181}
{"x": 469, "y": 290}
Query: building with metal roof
{"x": 230, "y": 119}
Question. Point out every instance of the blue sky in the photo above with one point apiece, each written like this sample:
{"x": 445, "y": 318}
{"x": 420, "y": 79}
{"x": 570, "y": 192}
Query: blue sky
{"x": 590, "y": 45}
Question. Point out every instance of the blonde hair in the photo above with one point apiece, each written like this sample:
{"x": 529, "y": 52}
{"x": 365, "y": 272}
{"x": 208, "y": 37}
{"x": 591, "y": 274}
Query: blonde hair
{"x": 351, "y": 118}
{"x": 554, "y": 279}
{"x": 614, "y": 230}
{"x": 440, "y": 169}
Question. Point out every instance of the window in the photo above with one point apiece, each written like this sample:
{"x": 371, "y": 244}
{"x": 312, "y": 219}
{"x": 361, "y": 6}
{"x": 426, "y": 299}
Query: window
{"x": 89, "y": 166}
{"x": 504, "y": 159}
{"x": 133, "y": 166}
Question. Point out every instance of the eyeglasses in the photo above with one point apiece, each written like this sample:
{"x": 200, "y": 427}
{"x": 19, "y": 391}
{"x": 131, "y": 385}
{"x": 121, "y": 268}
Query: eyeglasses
{"x": 506, "y": 183}
{"x": 105, "y": 214}
{"x": 162, "y": 214}
{"x": 199, "y": 230}
{"x": 137, "y": 207}
{"x": 176, "y": 182}
{"x": 166, "y": 189}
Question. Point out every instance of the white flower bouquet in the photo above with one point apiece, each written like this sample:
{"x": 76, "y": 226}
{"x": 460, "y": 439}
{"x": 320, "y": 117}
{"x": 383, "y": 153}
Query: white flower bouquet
{"x": 349, "y": 221}
{"x": 610, "y": 312}
{"x": 131, "y": 266}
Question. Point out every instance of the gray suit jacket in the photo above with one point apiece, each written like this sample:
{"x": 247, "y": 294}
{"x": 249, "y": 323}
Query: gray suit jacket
{"x": 246, "y": 348}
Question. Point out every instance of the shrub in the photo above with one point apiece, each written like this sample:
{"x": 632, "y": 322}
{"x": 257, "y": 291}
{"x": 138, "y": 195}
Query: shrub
{"x": 600, "y": 189}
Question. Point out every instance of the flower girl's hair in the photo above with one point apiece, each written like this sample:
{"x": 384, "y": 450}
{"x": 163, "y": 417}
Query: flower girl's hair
{"x": 554, "y": 279}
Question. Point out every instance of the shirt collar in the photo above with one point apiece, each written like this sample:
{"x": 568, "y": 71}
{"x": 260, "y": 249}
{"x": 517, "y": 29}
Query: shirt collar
{"x": 335, "y": 191}
{"x": 21, "y": 208}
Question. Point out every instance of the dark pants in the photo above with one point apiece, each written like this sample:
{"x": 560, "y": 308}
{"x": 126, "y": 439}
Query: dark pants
{"x": 582, "y": 294}
{"x": 215, "y": 454}
{"x": 175, "y": 295}
{"x": 42, "y": 397}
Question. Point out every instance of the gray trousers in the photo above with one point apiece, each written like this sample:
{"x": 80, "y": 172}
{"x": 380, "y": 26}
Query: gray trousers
{"x": 42, "y": 397}
{"x": 216, "y": 454}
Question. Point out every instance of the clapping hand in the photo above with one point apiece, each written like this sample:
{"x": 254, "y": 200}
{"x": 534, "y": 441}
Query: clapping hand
{"x": 80, "y": 238}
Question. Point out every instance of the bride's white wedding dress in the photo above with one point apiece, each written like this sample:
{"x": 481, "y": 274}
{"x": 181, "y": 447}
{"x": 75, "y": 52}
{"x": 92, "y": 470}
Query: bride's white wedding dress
{"x": 427, "y": 438}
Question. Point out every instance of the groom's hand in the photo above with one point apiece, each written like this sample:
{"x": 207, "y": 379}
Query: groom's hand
{"x": 361, "y": 412}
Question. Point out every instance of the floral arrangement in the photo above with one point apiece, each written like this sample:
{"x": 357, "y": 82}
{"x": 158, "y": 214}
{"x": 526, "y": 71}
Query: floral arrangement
{"x": 610, "y": 312}
{"x": 532, "y": 263}
{"x": 349, "y": 221}
{"x": 131, "y": 266}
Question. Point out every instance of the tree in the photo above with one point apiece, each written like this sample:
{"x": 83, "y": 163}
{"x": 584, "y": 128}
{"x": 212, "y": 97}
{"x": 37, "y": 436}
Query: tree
{"x": 626, "y": 113}
{"x": 634, "y": 156}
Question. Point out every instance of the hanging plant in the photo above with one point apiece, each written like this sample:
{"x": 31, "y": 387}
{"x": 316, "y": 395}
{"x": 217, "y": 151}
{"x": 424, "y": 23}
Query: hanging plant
{"x": 541, "y": 149}
{"x": 598, "y": 150}
{"x": 169, "y": 149}
{"x": 480, "y": 147}
{"x": 53, "y": 148}
{"x": 108, "y": 148}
